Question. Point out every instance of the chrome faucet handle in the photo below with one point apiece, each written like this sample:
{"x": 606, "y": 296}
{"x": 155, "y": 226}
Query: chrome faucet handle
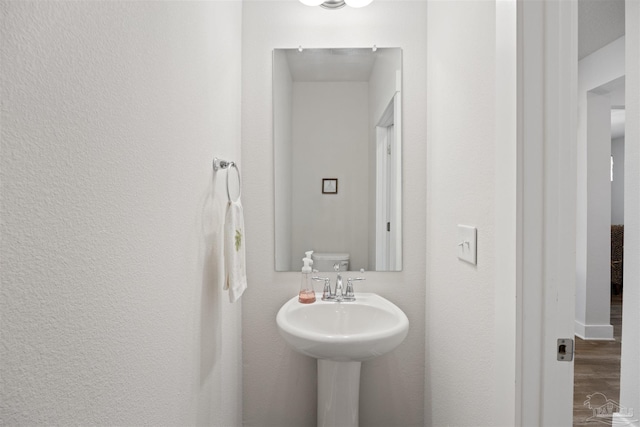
{"x": 326, "y": 291}
{"x": 349, "y": 295}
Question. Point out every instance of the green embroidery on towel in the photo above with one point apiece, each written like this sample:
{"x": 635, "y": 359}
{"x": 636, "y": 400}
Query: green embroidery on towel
{"x": 238, "y": 240}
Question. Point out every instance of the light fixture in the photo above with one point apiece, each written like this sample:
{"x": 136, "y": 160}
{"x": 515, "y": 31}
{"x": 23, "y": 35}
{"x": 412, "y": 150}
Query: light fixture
{"x": 336, "y": 4}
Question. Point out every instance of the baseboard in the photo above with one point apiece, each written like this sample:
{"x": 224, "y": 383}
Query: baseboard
{"x": 594, "y": 332}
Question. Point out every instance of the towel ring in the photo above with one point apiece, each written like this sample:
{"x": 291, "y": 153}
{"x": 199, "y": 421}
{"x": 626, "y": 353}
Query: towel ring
{"x": 223, "y": 164}
{"x": 233, "y": 165}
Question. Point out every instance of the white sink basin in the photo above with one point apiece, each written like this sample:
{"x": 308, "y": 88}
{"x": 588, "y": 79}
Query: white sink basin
{"x": 343, "y": 331}
{"x": 341, "y": 335}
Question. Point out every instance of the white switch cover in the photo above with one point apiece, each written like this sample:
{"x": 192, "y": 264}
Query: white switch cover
{"x": 467, "y": 243}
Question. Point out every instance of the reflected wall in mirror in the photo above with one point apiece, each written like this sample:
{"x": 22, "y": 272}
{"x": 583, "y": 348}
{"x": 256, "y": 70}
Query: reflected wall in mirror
{"x": 337, "y": 116}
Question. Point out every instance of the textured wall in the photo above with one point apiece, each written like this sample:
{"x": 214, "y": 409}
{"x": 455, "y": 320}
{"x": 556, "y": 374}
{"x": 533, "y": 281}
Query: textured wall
{"x": 462, "y": 373}
{"x": 112, "y": 313}
{"x": 279, "y": 384}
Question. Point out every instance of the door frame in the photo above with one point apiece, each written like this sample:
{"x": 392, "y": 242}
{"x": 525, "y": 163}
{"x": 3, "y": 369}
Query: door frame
{"x": 388, "y": 185}
{"x": 546, "y": 252}
{"x": 547, "y": 62}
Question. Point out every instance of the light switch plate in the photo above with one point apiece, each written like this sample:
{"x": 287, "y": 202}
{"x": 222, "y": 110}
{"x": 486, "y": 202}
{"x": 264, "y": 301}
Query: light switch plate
{"x": 467, "y": 243}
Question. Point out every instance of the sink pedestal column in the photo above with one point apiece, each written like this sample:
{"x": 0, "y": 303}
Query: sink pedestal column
{"x": 338, "y": 393}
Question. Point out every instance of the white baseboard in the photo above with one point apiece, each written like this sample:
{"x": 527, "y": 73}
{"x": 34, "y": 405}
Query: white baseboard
{"x": 594, "y": 332}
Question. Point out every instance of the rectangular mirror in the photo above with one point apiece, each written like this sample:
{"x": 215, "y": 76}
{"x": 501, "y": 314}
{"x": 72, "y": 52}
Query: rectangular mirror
{"x": 337, "y": 138}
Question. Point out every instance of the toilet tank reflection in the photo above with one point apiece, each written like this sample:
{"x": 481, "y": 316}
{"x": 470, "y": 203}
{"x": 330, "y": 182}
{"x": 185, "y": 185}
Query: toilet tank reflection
{"x": 325, "y": 261}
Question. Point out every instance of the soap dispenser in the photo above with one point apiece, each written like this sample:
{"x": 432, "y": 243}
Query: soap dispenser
{"x": 307, "y": 295}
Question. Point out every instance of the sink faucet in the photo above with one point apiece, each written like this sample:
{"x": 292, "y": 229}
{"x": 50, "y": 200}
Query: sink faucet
{"x": 348, "y": 294}
{"x": 338, "y": 293}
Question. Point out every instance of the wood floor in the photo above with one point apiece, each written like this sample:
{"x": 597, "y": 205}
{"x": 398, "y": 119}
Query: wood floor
{"x": 597, "y": 368}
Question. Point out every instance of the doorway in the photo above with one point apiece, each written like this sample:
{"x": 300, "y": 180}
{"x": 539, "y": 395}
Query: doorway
{"x": 388, "y": 189}
{"x": 599, "y": 292}
{"x": 598, "y": 305}
{"x": 545, "y": 282}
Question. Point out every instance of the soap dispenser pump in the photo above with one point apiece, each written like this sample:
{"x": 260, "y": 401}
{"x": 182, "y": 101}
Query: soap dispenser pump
{"x": 306, "y": 295}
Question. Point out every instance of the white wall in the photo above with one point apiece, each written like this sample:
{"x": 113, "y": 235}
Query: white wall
{"x": 282, "y": 137}
{"x": 629, "y": 366}
{"x": 111, "y": 303}
{"x": 330, "y": 140}
{"x": 596, "y": 71}
{"x": 279, "y": 384}
{"x": 383, "y": 81}
{"x": 462, "y": 373}
{"x": 617, "y": 186}
{"x": 594, "y": 322}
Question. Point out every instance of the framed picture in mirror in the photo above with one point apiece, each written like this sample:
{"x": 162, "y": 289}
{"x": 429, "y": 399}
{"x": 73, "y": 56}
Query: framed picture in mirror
{"x": 329, "y": 186}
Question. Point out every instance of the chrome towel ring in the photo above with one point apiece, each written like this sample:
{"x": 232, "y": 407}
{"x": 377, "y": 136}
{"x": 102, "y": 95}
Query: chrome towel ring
{"x": 224, "y": 164}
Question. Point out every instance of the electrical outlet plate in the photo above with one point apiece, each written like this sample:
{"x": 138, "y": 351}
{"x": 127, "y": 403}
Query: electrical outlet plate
{"x": 467, "y": 243}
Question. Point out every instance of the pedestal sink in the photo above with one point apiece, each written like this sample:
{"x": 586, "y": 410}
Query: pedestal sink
{"x": 341, "y": 335}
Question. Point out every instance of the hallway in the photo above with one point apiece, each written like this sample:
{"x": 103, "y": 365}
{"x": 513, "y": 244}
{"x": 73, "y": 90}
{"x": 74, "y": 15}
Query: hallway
{"x": 597, "y": 368}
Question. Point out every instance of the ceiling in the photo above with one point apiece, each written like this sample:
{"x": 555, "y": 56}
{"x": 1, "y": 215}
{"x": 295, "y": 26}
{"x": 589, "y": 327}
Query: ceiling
{"x": 599, "y": 23}
{"x": 327, "y": 65}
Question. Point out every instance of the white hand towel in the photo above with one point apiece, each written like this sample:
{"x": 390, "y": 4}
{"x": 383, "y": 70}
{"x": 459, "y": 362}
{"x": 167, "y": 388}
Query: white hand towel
{"x": 234, "y": 253}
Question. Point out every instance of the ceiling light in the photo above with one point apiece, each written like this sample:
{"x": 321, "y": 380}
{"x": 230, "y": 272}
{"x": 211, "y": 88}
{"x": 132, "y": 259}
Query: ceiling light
{"x": 332, "y": 4}
{"x": 336, "y": 4}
